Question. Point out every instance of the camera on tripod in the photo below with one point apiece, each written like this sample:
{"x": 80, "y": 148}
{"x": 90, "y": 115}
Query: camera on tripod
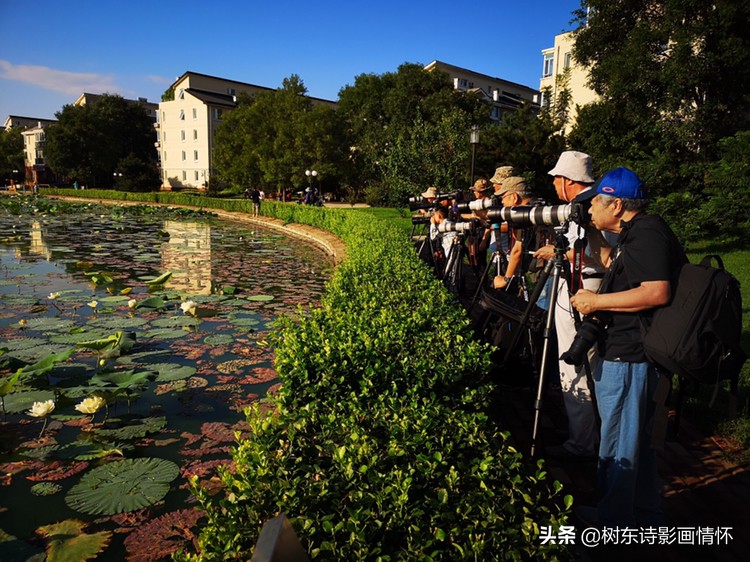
{"x": 423, "y": 219}
{"x": 419, "y": 202}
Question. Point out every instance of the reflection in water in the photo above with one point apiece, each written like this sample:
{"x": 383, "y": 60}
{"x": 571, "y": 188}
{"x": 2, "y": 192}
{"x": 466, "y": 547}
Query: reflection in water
{"x": 37, "y": 245}
{"x": 187, "y": 254}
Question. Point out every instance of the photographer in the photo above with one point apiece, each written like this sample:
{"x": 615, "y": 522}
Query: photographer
{"x": 441, "y": 214}
{"x": 572, "y": 176}
{"x": 644, "y": 267}
{"x": 513, "y": 192}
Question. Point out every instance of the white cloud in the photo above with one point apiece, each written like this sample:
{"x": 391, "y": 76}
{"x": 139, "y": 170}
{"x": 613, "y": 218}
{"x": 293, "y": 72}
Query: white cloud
{"x": 70, "y": 83}
{"x": 160, "y": 79}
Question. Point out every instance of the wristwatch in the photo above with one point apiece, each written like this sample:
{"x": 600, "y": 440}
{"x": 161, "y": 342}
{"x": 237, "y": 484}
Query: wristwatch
{"x": 506, "y": 278}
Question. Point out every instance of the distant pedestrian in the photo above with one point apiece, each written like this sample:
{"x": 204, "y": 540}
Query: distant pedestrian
{"x": 256, "y": 199}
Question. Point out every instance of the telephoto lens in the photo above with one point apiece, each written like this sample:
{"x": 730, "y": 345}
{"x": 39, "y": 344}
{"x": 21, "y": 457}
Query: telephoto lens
{"x": 478, "y": 205}
{"x": 452, "y": 226}
{"x": 523, "y": 215}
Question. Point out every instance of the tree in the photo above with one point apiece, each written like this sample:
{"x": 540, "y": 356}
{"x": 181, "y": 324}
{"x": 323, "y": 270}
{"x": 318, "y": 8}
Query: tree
{"x": 11, "y": 155}
{"x": 528, "y": 141}
{"x": 673, "y": 79}
{"x": 395, "y": 125}
{"x": 89, "y": 141}
{"x": 273, "y": 137}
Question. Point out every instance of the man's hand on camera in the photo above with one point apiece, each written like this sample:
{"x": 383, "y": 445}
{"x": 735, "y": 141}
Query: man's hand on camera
{"x": 584, "y": 301}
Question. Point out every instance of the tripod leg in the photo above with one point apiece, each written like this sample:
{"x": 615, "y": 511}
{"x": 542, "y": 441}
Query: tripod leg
{"x": 545, "y": 355}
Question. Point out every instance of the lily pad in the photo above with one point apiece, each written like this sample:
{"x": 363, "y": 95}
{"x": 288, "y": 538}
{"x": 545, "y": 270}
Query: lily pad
{"x": 260, "y": 298}
{"x": 45, "y": 488}
{"x": 136, "y": 430}
{"x": 121, "y": 486}
{"x": 67, "y": 541}
{"x": 219, "y": 339}
{"x": 171, "y": 371}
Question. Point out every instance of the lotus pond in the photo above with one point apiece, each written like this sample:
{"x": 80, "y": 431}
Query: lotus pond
{"x": 131, "y": 339}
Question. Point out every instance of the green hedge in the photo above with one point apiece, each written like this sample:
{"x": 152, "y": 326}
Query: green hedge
{"x": 377, "y": 446}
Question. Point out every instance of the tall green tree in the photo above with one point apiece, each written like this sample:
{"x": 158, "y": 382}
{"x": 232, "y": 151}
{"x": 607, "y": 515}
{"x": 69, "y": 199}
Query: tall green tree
{"x": 408, "y": 129}
{"x": 273, "y": 137}
{"x": 88, "y": 142}
{"x": 673, "y": 79}
{"x": 11, "y": 155}
{"x": 528, "y": 140}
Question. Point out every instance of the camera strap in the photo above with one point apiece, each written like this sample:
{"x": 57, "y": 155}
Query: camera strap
{"x": 576, "y": 271}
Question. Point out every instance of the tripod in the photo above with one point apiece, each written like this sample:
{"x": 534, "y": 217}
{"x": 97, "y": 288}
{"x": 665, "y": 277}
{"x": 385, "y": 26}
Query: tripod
{"x": 498, "y": 259}
{"x": 453, "y": 277}
{"x": 554, "y": 267}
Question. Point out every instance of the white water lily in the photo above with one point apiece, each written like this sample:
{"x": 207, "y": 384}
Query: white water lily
{"x": 132, "y": 303}
{"x": 53, "y": 296}
{"x": 41, "y": 409}
{"x": 93, "y": 304}
{"x": 188, "y": 307}
{"x": 90, "y": 405}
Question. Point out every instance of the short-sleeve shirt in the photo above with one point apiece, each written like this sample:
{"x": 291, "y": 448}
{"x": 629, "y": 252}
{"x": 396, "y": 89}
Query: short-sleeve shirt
{"x": 647, "y": 250}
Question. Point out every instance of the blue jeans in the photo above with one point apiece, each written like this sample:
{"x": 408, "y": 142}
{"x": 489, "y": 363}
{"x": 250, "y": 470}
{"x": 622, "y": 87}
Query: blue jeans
{"x": 627, "y": 476}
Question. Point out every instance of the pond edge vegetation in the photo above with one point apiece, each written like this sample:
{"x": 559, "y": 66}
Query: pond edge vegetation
{"x": 379, "y": 445}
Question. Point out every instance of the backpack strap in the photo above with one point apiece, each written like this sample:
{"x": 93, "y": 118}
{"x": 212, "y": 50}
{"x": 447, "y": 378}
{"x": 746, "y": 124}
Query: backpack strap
{"x": 706, "y": 261}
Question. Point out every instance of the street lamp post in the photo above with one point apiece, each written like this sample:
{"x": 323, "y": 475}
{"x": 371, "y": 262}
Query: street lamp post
{"x": 474, "y": 140}
{"x": 310, "y": 175}
{"x": 116, "y": 175}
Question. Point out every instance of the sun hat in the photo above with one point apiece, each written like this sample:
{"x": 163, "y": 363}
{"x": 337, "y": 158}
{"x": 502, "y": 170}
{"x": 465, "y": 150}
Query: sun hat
{"x": 502, "y": 173}
{"x": 621, "y": 182}
{"x": 574, "y": 165}
{"x": 513, "y": 184}
{"x": 481, "y": 185}
{"x": 430, "y": 193}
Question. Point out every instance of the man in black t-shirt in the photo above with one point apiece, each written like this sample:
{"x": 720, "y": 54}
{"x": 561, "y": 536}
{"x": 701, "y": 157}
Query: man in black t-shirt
{"x": 644, "y": 267}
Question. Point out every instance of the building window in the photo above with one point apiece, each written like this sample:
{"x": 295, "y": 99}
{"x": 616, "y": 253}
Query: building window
{"x": 462, "y": 82}
{"x": 195, "y": 113}
{"x": 196, "y": 175}
{"x": 184, "y": 175}
{"x": 195, "y": 134}
{"x": 217, "y": 113}
{"x": 549, "y": 62}
{"x": 182, "y": 115}
{"x": 182, "y": 136}
{"x": 231, "y": 91}
{"x": 195, "y": 155}
{"x": 181, "y": 94}
{"x": 567, "y": 60}
{"x": 184, "y": 156}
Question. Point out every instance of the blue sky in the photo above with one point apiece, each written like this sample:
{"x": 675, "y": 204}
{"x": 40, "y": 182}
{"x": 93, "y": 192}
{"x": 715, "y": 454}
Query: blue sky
{"x": 53, "y": 51}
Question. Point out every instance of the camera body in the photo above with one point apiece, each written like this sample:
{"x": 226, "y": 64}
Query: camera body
{"x": 590, "y": 332}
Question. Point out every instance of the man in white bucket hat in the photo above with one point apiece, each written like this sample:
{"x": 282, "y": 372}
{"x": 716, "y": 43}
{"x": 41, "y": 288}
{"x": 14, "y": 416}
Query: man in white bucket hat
{"x": 573, "y": 176}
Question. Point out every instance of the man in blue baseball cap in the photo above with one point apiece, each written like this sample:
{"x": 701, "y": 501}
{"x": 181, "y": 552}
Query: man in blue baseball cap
{"x": 643, "y": 268}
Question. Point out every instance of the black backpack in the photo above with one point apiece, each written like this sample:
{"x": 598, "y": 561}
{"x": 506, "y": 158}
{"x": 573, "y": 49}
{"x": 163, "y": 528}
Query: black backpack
{"x": 697, "y": 335}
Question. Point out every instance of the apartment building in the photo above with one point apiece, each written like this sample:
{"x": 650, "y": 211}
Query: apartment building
{"x": 502, "y": 95}
{"x": 186, "y": 126}
{"x": 558, "y": 68}
{"x": 35, "y": 169}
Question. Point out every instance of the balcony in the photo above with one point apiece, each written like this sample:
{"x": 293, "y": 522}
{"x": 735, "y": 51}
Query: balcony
{"x": 157, "y": 144}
